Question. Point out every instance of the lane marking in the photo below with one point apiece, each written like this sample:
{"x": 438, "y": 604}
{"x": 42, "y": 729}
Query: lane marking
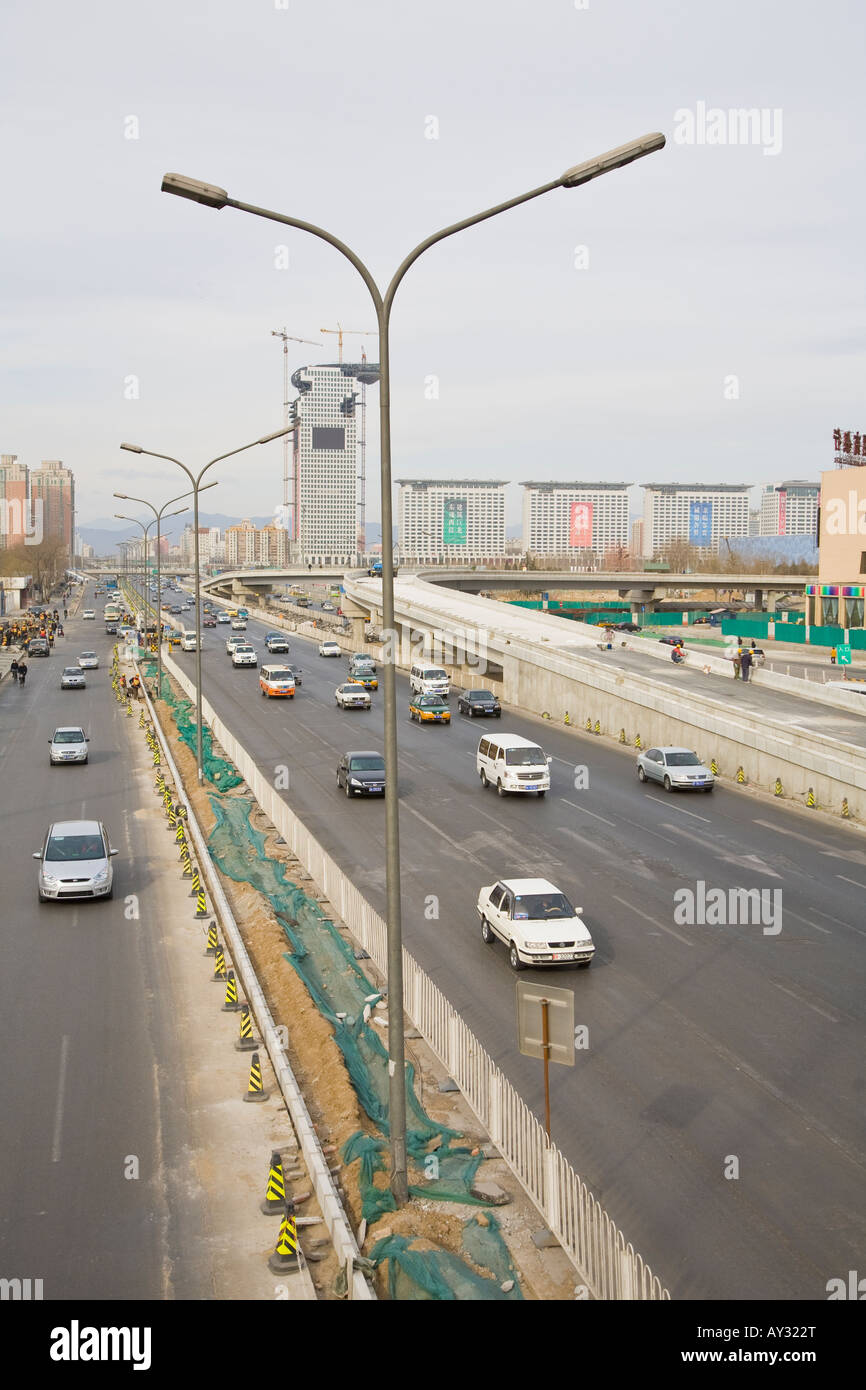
{"x": 797, "y": 918}
{"x": 645, "y": 829}
{"x": 684, "y": 939}
{"x": 851, "y": 880}
{"x": 58, "y": 1109}
{"x": 800, "y": 1000}
{"x": 682, "y": 810}
{"x": 594, "y": 814}
{"x": 404, "y": 806}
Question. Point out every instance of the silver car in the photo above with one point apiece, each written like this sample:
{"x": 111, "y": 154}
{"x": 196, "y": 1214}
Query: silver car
{"x": 678, "y": 769}
{"x": 72, "y": 678}
{"x": 68, "y": 744}
{"x": 75, "y": 861}
{"x": 352, "y": 697}
{"x": 88, "y": 661}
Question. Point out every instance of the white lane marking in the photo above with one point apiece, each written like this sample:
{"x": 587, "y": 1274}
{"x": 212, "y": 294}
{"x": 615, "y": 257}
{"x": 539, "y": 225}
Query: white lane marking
{"x": 806, "y": 923}
{"x": 404, "y": 806}
{"x": 58, "y": 1109}
{"x": 588, "y": 813}
{"x": 794, "y": 835}
{"x": 682, "y": 810}
{"x": 851, "y": 880}
{"x": 684, "y": 939}
{"x": 800, "y": 1000}
{"x": 647, "y": 830}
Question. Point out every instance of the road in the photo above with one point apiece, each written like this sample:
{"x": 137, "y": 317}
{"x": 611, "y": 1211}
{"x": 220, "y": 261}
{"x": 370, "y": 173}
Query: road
{"x": 711, "y": 1048}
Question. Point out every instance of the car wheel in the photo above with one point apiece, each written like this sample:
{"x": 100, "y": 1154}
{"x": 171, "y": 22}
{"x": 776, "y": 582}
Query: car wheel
{"x": 543, "y": 791}
{"x": 486, "y": 931}
{"x": 513, "y": 958}
{"x": 499, "y": 787}
{"x": 42, "y": 897}
{"x": 641, "y": 775}
{"x": 667, "y": 783}
{"x": 110, "y": 893}
{"x": 84, "y": 760}
{"x": 499, "y": 714}
{"x": 483, "y": 775}
{"x": 348, "y": 790}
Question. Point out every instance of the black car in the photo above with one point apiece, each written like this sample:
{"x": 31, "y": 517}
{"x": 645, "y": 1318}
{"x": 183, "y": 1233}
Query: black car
{"x": 626, "y": 627}
{"x": 38, "y": 646}
{"x": 474, "y": 702}
{"x": 362, "y": 773}
{"x": 672, "y": 641}
{"x": 111, "y": 629}
{"x": 296, "y": 672}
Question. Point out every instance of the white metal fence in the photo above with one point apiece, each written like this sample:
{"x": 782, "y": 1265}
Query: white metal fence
{"x": 607, "y": 1264}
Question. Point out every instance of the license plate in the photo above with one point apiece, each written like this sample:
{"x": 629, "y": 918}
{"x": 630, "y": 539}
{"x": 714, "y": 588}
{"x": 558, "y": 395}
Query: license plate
{"x": 376, "y": 788}
{"x": 532, "y": 786}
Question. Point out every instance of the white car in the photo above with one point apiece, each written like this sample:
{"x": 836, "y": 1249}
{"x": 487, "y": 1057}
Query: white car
{"x": 327, "y": 606}
{"x": 676, "y": 768}
{"x": 232, "y": 642}
{"x": 536, "y": 922}
{"x": 223, "y": 617}
{"x": 353, "y": 697}
{"x": 68, "y": 744}
{"x": 188, "y": 641}
{"x": 88, "y": 661}
{"x": 244, "y": 655}
{"x": 89, "y": 614}
{"x": 329, "y": 649}
{"x": 239, "y": 624}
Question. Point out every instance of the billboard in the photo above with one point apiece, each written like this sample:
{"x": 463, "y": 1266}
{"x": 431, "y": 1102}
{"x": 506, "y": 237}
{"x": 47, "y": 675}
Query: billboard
{"x": 328, "y": 437}
{"x": 783, "y": 510}
{"x": 454, "y": 521}
{"x": 580, "y": 526}
{"x": 700, "y": 523}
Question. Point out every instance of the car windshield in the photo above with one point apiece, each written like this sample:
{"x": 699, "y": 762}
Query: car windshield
{"x": 682, "y": 760}
{"x": 432, "y": 702}
{"x": 369, "y": 763}
{"x": 87, "y": 656}
{"x": 67, "y": 847}
{"x": 71, "y": 671}
{"x": 279, "y": 673}
{"x": 481, "y": 695}
{"x": 524, "y": 757}
{"x": 435, "y": 675}
{"x": 542, "y": 907}
{"x": 68, "y": 736}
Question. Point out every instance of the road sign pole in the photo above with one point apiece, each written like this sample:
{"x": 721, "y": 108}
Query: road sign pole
{"x": 545, "y": 1042}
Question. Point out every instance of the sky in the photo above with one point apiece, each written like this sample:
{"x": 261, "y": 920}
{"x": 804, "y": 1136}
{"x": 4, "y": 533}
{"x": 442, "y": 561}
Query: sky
{"x": 696, "y": 316}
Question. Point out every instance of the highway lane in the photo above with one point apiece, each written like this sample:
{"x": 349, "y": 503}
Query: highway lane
{"x": 90, "y": 1082}
{"x": 705, "y": 1042}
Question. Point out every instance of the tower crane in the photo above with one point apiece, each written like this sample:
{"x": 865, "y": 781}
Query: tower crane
{"x": 347, "y": 332}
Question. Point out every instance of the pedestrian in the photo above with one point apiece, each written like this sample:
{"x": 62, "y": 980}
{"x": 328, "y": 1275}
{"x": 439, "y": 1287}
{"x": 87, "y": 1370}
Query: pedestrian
{"x": 736, "y": 658}
{"x": 13, "y": 669}
{"x": 22, "y": 672}
{"x": 833, "y": 654}
{"x": 65, "y": 613}
{"x": 746, "y": 664}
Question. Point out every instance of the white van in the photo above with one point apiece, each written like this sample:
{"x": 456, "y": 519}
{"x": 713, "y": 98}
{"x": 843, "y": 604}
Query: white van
{"x": 429, "y": 680}
{"x": 188, "y": 641}
{"x": 513, "y": 764}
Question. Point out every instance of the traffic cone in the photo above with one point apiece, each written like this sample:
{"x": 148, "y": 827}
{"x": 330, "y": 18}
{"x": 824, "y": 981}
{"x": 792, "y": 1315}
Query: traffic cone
{"x": 184, "y": 855}
{"x": 212, "y": 940}
{"x": 196, "y": 881}
{"x": 714, "y": 767}
{"x": 246, "y": 1042}
{"x": 622, "y": 735}
{"x": 588, "y": 725}
{"x": 219, "y": 965}
{"x": 845, "y": 811}
{"x": 777, "y": 789}
{"x": 286, "y": 1256}
{"x": 129, "y": 709}
{"x": 596, "y": 728}
{"x": 741, "y": 776}
{"x": 187, "y": 871}
{"x": 231, "y": 1004}
{"x": 169, "y": 810}
{"x": 180, "y": 833}
{"x": 141, "y": 720}
{"x": 567, "y": 719}
{"x": 255, "y": 1089}
{"x": 275, "y": 1196}
{"x": 201, "y": 905}
{"x": 810, "y": 799}
{"x": 637, "y": 742}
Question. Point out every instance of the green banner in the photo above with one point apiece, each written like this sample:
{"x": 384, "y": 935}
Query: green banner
{"x": 454, "y": 521}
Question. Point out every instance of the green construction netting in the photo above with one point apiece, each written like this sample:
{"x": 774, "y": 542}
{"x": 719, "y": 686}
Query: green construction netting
{"x": 417, "y": 1272}
{"x": 219, "y": 771}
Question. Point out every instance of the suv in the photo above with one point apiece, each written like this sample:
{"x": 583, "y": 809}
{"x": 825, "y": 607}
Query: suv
{"x": 38, "y": 646}
{"x": 232, "y": 642}
{"x": 68, "y": 744}
{"x": 75, "y": 861}
{"x": 276, "y": 642}
{"x": 244, "y": 655}
{"x": 536, "y": 922}
{"x": 362, "y": 774}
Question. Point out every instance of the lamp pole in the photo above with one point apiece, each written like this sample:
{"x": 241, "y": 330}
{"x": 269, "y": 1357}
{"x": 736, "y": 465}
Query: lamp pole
{"x": 196, "y": 488}
{"x": 144, "y": 530}
{"x": 214, "y": 197}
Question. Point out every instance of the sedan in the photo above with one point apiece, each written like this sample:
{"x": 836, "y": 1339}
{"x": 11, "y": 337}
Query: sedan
{"x": 208, "y": 621}
{"x": 474, "y": 702}
{"x": 429, "y": 709}
{"x": 327, "y": 606}
{"x": 672, "y": 641}
{"x": 362, "y": 774}
{"x": 75, "y": 861}
{"x": 232, "y": 642}
{"x": 329, "y": 649}
{"x": 536, "y": 922}
{"x": 68, "y": 744}
{"x": 223, "y": 617}
{"x": 244, "y": 655}
{"x": 89, "y": 615}
{"x": 351, "y": 696}
{"x": 88, "y": 661}
{"x": 360, "y": 675}
{"x": 239, "y": 624}
{"x": 675, "y": 768}
{"x": 72, "y": 678}
{"x": 296, "y": 672}
{"x": 276, "y": 642}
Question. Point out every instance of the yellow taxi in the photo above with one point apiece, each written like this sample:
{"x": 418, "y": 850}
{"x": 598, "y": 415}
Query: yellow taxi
{"x": 368, "y": 679}
{"x": 429, "y": 709}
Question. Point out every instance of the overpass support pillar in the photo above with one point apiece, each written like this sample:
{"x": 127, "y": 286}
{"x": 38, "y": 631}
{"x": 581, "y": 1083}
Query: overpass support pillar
{"x": 357, "y": 625}
{"x": 759, "y": 600}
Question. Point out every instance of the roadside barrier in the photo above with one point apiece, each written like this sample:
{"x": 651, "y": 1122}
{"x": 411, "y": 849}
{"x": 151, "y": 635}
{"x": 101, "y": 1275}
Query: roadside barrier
{"x": 777, "y": 787}
{"x": 810, "y": 799}
{"x": 255, "y": 1087}
{"x": 201, "y": 903}
{"x": 275, "y": 1195}
{"x": 196, "y": 882}
{"x": 596, "y": 728}
{"x": 219, "y": 966}
{"x": 741, "y": 776}
{"x": 714, "y": 767}
{"x": 622, "y": 735}
{"x": 846, "y": 814}
{"x": 187, "y": 871}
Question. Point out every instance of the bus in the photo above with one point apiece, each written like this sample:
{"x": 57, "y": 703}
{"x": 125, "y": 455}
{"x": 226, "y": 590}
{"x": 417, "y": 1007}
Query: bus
{"x": 111, "y": 613}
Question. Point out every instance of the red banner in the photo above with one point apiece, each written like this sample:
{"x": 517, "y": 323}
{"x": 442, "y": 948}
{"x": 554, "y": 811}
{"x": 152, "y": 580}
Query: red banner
{"x": 580, "y": 529}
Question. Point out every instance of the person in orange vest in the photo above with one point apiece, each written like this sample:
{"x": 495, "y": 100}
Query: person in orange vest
{"x": 833, "y": 654}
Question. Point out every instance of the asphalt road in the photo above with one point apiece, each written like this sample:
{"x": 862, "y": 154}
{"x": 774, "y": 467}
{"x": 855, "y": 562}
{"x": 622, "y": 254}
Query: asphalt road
{"x": 712, "y": 1049}
{"x": 90, "y": 1085}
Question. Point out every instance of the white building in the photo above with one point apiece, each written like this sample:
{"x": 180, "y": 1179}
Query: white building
{"x": 209, "y": 544}
{"x": 699, "y": 514}
{"x": 327, "y": 505}
{"x": 448, "y": 520}
{"x": 575, "y": 518}
{"x": 790, "y": 509}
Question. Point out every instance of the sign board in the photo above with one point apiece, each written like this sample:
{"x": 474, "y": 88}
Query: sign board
{"x": 700, "y": 523}
{"x": 530, "y": 1021}
{"x": 580, "y": 526}
{"x": 544, "y": 601}
{"x": 843, "y": 654}
{"x": 454, "y": 521}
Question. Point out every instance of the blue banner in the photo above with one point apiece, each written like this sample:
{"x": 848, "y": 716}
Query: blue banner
{"x": 700, "y": 523}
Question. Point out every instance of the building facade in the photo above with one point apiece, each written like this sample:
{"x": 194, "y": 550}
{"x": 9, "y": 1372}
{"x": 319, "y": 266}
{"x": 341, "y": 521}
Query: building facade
{"x": 461, "y": 520}
{"x": 696, "y": 514}
{"x": 326, "y": 510}
{"x": 790, "y": 509}
{"x": 839, "y": 596}
{"x": 15, "y": 526}
{"x": 52, "y": 499}
{"x": 249, "y": 546}
{"x": 586, "y": 520}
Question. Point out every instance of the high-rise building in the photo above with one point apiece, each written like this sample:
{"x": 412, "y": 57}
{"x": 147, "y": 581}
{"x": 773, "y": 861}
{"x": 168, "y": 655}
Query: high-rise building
{"x": 461, "y": 520}
{"x": 790, "y": 509}
{"x": 273, "y": 546}
{"x": 241, "y": 545}
{"x": 15, "y": 525}
{"x": 581, "y": 519}
{"x": 209, "y": 544}
{"x": 327, "y": 506}
{"x": 52, "y": 498}
{"x": 698, "y": 514}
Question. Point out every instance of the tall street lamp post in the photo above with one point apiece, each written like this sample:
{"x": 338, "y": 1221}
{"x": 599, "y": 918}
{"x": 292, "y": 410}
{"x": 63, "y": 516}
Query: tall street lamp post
{"x": 214, "y": 197}
{"x": 145, "y": 529}
{"x": 196, "y": 488}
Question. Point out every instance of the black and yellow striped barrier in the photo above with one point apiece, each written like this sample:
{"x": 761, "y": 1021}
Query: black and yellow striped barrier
{"x": 246, "y": 1042}
{"x": 275, "y": 1196}
{"x": 777, "y": 787}
{"x": 255, "y": 1087}
{"x": 741, "y": 776}
{"x": 714, "y": 767}
{"x": 622, "y": 735}
{"x": 219, "y": 966}
{"x": 845, "y": 810}
{"x": 212, "y": 940}
{"x": 286, "y": 1256}
{"x": 596, "y": 728}
{"x": 231, "y": 1004}
{"x": 810, "y": 799}
{"x": 187, "y": 871}
{"x": 200, "y": 903}
{"x": 637, "y": 742}
{"x": 196, "y": 881}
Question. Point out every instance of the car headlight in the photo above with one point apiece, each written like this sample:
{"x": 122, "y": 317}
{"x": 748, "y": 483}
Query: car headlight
{"x": 536, "y": 945}
{"x": 49, "y": 879}
{"x": 353, "y": 782}
{"x": 101, "y": 876}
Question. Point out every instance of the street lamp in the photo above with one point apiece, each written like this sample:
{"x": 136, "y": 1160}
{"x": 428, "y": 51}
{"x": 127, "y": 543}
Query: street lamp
{"x": 145, "y": 529}
{"x": 158, "y": 514}
{"x": 196, "y": 488}
{"x": 212, "y": 196}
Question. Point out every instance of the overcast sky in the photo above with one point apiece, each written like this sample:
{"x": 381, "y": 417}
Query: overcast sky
{"x": 695, "y": 316}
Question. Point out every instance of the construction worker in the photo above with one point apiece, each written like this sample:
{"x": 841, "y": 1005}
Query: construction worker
{"x": 833, "y": 654}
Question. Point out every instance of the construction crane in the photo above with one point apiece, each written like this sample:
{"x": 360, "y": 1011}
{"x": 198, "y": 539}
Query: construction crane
{"x": 289, "y": 502}
{"x": 347, "y": 332}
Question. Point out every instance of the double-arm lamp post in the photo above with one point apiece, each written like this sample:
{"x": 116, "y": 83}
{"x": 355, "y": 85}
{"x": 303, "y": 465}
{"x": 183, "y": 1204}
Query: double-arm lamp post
{"x": 218, "y": 198}
{"x": 196, "y": 489}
